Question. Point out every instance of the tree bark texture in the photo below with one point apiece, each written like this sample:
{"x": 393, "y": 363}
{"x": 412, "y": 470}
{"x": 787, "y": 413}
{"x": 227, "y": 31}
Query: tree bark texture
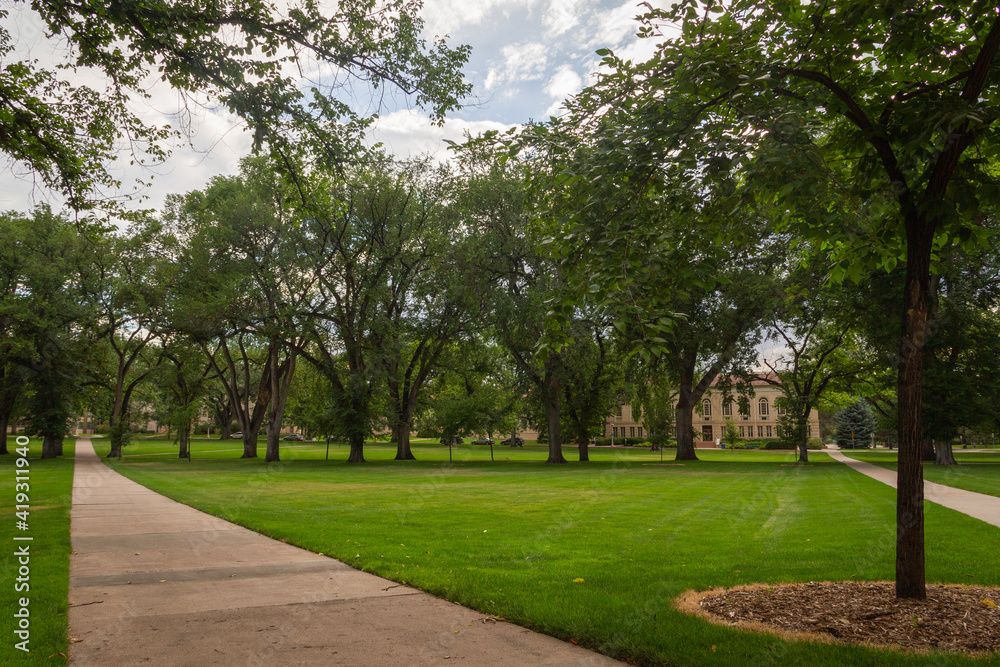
{"x": 910, "y": 571}
{"x": 357, "y": 449}
{"x": 4, "y": 423}
{"x": 552, "y": 395}
{"x": 583, "y": 443}
{"x": 402, "y": 437}
{"x": 183, "y": 437}
{"x": 51, "y": 446}
{"x": 944, "y": 456}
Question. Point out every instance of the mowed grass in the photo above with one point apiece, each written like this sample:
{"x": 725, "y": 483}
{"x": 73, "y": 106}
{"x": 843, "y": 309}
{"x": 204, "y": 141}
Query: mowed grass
{"x": 148, "y": 449}
{"x": 976, "y": 471}
{"x": 50, "y": 493}
{"x": 596, "y": 552}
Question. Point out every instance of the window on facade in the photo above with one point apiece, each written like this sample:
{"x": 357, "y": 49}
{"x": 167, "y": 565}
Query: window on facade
{"x": 640, "y": 431}
{"x": 742, "y": 434}
{"x": 614, "y": 431}
{"x": 706, "y": 408}
{"x": 727, "y": 409}
{"x": 760, "y": 431}
{"x": 780, "y": 409}
{"x": 632, "y": 431}
{"x": 745, "y": 411}
{"x": 769, "y": 431}
{"x": 809, "y": 430}
{"x": 762, "y": 408}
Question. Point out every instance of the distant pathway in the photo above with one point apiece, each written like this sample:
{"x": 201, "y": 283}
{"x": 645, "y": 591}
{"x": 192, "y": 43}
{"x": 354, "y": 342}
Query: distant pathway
{"x": 154, "y": 581}
{"x": 977, "y": 505}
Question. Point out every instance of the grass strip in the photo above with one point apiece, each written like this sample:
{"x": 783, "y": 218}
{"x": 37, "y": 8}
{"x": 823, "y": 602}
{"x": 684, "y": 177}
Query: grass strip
{"x": 50, "y": 497}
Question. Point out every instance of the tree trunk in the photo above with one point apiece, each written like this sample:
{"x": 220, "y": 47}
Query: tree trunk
{"x": 9, "y": 397}
{"x": 49, "y": 448}
{"x": 685, "y": 426}
{"x": 183, "y": 435}
{"x": 910, "y": 572}
{"x": 272, "y": 451}
{"x": 402, "y": 436}
{"x": 357, "y": 449}
{"x": 803, "y": 436}
{"x": 583, "y": 442}
{"x": 249, "y": 444}
{"x": 944, "y": 454}
{"x": 281, "y": 378}
{"x": 927, "y": 452}
{"x": 553, "y": 406}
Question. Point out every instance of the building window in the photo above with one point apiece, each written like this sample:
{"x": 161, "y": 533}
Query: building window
{"x": 745, "y": 411}
{"x": 780, "y": 409}
{"x": 742, "y": 433}
{"x": 727, "y": 409}
{"x": 706, "y": 408}
{"x": 760, "y": 431}
{"x": 640, "y": 431}
{"x": 614, "y": 431}
{"x": 769, "y": 432}
{"x": 809, "y": 430}
{"x": 632, "y": 430}
{"x": 762, "y": 408}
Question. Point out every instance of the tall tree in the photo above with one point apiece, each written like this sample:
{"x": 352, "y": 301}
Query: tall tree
{"x": 592, "y": 379}
{"x": 248, "y": 290}
{"x": 495, "y": 210}
{"x": 125, "y": 295}
{"x": 49, "y": 314}
{"x": 367, "y": 238}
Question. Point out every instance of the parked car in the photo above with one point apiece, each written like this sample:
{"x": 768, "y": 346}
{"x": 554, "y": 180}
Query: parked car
{"x": 482, "y": 441}
{"x": 236, "y": 436}
{"x": 295, "y": 437}
{"x": 516, "y": 442}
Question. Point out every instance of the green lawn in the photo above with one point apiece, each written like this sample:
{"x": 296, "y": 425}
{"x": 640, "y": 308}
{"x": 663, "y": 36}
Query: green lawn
{"x": 977, "y": 471}
{"x": 512, "y": 538}
{"x": 159, "y": 449}
{"x": 51, "y": 484}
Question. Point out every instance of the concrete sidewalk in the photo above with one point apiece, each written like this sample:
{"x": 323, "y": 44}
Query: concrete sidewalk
{"x": 155, "y": 581}
{"x": 977, "y": 505}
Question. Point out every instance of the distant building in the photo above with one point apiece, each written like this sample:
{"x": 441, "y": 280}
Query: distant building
{"x": 759, "y": 423}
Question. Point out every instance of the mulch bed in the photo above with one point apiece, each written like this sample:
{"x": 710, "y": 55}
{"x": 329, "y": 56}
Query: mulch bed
{"x": 952, "y": 618}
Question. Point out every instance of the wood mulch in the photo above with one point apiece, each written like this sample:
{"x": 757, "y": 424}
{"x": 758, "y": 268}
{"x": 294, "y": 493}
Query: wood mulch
{"x": 958, "y": 618}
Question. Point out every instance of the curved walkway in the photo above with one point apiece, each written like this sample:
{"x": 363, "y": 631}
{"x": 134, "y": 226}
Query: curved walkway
{"x": 977, "y": 505}
{"x": 155, "y": 581}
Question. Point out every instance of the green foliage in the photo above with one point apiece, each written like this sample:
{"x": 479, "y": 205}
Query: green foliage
{"x": 815, "y": 444}
{"x": 855, "y": 426}
{"x": 242, "y": 55}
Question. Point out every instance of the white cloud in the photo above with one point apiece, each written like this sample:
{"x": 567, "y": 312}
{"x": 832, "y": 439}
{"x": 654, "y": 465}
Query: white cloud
{"x": 409, "y": 133}
{"x": 521, "y": 62}
{"x": 562, "y": 16}
{"x": 444, "y": 17}
{"x": 564, "y": 82}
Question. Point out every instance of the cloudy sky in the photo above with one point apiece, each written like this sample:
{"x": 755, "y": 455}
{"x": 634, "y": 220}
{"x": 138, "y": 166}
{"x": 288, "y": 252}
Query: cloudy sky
{"x": 527, "y": 57}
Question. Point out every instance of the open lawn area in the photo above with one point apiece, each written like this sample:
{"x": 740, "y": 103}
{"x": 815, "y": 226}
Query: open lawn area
{"x": 595, "y": 552}
{"x": 48, "y": 525}
{"x": 976, "y": 471}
